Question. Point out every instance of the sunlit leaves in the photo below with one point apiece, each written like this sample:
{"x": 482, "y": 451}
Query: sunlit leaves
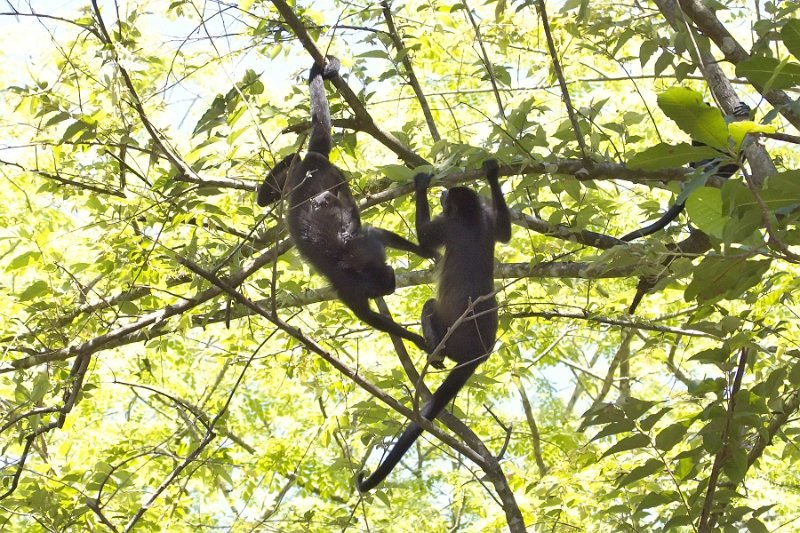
{"x": 770, "y": 73}
{"x": 725, "y": 277}
{"x": 665, "y": 155}
{"x": 704, "y": 206}
{"x": 791, "y": 37}
{"x": 701, "y": 121}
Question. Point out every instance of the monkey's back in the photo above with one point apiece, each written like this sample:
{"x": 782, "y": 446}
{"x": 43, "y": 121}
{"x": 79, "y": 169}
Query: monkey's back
{"x": 467, "y": 273}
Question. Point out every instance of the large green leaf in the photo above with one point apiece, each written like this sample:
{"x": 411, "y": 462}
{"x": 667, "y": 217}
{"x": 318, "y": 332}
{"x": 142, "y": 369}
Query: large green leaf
{"x": 702, "y": 122}
{"x": 769, "y": 73}
{"x": 791, "y": 37}
{"x": 704, "y": 207}
{"x": 665, "y": 155}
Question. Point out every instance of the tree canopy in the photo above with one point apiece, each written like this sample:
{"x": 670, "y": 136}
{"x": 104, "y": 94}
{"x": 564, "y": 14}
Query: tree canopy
{"x": 169, "y": 362}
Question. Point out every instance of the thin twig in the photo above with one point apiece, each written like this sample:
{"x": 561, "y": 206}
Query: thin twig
{"x": 724, "y": 451}
{"x": 486, "y": 62}
{"x": 560, "y": 75}
{"x": 362, "y": 115}
{"x": 536, "y": 438}
{"x": 403, "y": 52}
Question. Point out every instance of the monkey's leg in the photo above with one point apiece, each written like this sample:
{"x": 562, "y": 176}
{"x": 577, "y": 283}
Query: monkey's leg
{"x": 393, "y": 240}
{"x": 360, "y": 307}
{"x": 433, "y": 332}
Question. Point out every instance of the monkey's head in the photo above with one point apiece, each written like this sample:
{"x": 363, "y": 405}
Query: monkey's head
{"x": 272, "y": 189}
{"x": 462, "y": 202}
{"x": 366, "y": 265}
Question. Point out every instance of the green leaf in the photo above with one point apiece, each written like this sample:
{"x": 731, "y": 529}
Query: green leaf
{"x": 735, "y": 466}
{"x": 382, "y": 496}
{"x": 794, "y": 374}
{"x": 769, "y": 73}
{"x": 41, "y": 384}
{"x": 714, "y": 356}
{"x": 671, "y": 435}
{"x": 791, "y": 37}
{"x": 654, "y": 499}
{"x": 704, "y": 207}
{"x": 646, "y": 51}
{"x": 740, "y": 128}
{"x": 398, "y": 173}
{"x": 756, "y": 526}
{"x": 665, "y": 155}
{"x": 678, "y": 519}
{"x": 782, "y": 190}
{"x": 629, "y": 443}
{"x": 634, "y": 407}
{"x": 701, "y": 121}
{"x": 24, "y": 260}
{"x": 73, "y": 131}
{"x": 663, "y": 62}
{"x": 58, "y": 117}
{"x": 615, "y": 428}
{"x": 379, "y": 54}
{"x": 648, "y": 422}
{"x": 724, "y": 277}
{"x": 649, "y": 468}
{"x": 34, "y": 290}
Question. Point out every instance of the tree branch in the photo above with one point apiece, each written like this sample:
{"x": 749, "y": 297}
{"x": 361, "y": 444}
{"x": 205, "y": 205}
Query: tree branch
{"x": 710, "y": 25}
{"x": 362, "y": 115}
{"x": 403, "y": 52}
{"x": 724, "y": 452}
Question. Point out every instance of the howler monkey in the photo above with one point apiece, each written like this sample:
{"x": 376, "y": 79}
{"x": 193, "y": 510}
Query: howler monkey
{"x": 740, "y": 112}
{"x": 468, "y": 229}
{"x": 325, "y": 224}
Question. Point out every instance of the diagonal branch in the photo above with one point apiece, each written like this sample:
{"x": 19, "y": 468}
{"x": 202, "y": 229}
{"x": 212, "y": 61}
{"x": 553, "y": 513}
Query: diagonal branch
{"x": 486, "y": 62}
{"x": 348, "y": 372}
{"x": 724, "y": 452}
{"x": 454, "y": 424}
{"x": 561, "y": 81}
{"x": 411, "y": 158}
{"x": 403, "y": 52}
{"x": 708, "y": 23}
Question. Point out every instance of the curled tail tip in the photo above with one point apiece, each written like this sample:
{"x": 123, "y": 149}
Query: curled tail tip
{"x": 327, "y": 72}
{"x": 331, "y": 68}
{"x": 361, "y": 485}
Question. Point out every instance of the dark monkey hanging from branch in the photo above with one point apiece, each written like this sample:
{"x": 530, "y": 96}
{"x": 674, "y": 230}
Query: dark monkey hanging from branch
{"x": 468, "y": 229}
{"x": 325, "y": 223}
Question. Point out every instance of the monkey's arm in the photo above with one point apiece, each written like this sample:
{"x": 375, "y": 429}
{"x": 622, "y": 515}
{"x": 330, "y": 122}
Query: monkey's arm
{"x": 361, "y": 309}
{"x": 430, "y": 233}
{"x": 502, "y": 220}
{"x": 393, "y": 240}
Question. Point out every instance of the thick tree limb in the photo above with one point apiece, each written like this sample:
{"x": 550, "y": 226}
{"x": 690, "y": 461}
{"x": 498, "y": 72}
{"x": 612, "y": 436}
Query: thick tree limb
{"x": 708, "y": 23}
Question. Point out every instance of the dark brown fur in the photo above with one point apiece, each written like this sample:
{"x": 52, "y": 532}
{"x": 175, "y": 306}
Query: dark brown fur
{"x": 325, "y": 223}
{"x": 467, "y": 229}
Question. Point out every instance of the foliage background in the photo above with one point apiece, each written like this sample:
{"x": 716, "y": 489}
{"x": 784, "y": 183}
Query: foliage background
{"x": 169, "y": 364}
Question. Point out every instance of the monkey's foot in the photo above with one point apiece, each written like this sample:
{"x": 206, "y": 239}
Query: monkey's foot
{"x": 436, "y": 361}
{"x": 741, "y": 110}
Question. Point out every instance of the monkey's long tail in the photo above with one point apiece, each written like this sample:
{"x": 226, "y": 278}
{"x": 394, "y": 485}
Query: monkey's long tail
{"x": 443, "y": 395}
{"x": 670, "y": 215}
{"x": 320, "y": 112}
